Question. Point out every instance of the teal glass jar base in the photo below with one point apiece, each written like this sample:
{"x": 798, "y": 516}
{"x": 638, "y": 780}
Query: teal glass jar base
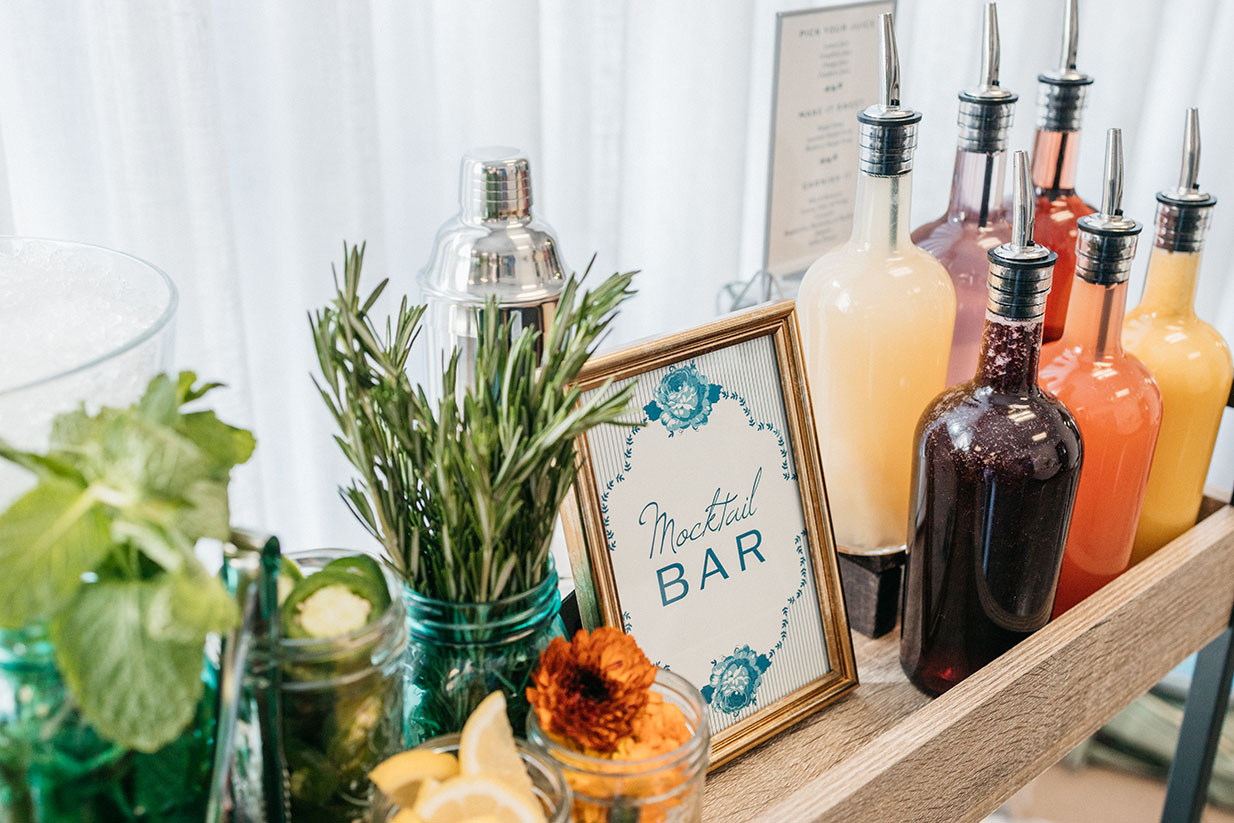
{"x": 55, "y": 769}
{"x": 459, "y": 653}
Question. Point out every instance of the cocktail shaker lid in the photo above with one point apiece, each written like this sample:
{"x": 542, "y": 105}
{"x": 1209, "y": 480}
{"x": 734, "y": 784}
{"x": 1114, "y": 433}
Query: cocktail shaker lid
{"x": 986, "y": 111}
{"x": 887, "y": 134}
{"x": 1060, "y": 93}
{"x": 494, "y": 245}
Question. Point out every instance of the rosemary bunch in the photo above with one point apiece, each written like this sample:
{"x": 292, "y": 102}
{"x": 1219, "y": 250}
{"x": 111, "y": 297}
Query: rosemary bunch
{"x": 463, "y": 491}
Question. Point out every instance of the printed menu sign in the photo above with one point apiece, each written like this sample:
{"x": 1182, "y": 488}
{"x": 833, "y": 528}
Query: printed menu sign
{"x": 826, "y": 72}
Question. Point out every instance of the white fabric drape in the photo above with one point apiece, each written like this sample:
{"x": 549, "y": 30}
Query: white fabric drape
{"x": 237, "y": 145}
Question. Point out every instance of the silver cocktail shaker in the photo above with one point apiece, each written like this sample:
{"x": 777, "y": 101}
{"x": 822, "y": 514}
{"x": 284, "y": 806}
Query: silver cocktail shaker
{"x": 493, "y": 246}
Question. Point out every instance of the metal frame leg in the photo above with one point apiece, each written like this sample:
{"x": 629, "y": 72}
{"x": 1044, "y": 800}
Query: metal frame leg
{"x": 1207, "y": 701}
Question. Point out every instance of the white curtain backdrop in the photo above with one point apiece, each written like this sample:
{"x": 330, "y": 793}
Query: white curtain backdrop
{"x": 237, "y": 144}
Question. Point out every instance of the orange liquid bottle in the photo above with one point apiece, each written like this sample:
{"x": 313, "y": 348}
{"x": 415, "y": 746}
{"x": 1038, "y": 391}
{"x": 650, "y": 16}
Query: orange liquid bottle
{"x": 1188, "y": 358}
{"x": 1055, "y": 150}
{"x": 1113, "y": 397}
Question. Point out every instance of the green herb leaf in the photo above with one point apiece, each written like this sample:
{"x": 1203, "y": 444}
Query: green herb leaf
{"x": 132, "y": 687}
{"x": 186, "y": 607}
{"x": 48, "y": 539}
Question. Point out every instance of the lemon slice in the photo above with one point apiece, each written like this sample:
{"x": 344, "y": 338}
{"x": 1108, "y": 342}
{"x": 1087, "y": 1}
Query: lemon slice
{"x": 406, "y": 816}
{"x": 464, "y": 798}
{"x": 405, "y": 777}
{"x": 487, "y": 747}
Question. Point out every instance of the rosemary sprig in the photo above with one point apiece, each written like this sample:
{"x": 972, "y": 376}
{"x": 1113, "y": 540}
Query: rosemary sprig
{"x": 463, "y": 490}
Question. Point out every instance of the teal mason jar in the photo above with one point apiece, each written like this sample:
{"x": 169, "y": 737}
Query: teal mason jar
{"x": 54, "y": 768}
{"x": 459, "y": 653}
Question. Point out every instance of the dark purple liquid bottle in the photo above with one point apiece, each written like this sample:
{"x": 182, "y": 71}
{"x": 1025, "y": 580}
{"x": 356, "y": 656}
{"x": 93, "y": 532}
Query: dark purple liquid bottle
{"x": 994, "y": 479}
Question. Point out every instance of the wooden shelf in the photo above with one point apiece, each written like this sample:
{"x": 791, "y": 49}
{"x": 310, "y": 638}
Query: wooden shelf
{"x": 888, "y": 753}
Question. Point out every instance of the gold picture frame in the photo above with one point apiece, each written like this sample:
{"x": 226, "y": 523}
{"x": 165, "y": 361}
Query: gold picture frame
{"x": 588, "y": 538}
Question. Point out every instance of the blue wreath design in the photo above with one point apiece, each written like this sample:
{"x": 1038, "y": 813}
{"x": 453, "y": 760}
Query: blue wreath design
{"x": 735, "y": 679}
{"x": 683, "y": 399}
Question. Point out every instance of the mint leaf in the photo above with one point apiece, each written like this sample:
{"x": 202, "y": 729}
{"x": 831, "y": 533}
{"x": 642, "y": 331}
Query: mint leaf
{"x": 136, "y": 690}
{"x": 49, "y": 538}
{"x": 226, "y": 445}
{"x": 188, "y": 606}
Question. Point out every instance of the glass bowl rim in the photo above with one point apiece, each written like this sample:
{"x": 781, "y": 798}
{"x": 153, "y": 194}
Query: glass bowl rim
{"x": 155, "y": 327}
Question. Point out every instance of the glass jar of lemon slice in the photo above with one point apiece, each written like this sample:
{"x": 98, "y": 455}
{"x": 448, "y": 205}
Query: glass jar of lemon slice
{"x": 456, "y": 800}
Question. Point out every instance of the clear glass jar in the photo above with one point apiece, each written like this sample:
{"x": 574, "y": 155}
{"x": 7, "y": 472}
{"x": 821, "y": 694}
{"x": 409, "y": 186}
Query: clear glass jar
{"x": 459, "y": 653}
{"x": 54, "y": 768}
{"x": 341, "y": 707}
{"x": 663, "y": 789}
{"x": 547, "y": 781}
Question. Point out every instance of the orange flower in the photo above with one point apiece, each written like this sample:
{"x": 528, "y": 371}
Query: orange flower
{"x": 658, "y": 729}
{"x": 591, "y": 691}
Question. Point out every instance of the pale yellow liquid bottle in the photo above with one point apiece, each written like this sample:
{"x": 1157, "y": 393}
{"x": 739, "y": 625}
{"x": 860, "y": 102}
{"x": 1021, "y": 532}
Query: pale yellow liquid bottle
{"x": 1188, "y": 358}
{"x": 877, "y": 316}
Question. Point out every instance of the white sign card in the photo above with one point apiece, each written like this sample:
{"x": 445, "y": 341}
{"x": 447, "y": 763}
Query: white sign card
{"x": 826, "y": 71}
{"x": 707, "y": 532}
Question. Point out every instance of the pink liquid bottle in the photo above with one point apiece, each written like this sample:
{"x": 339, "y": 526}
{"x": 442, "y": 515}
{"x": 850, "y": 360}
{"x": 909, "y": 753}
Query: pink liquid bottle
{"x": 975, "y": 221}
{"x": 1114, "y": 398}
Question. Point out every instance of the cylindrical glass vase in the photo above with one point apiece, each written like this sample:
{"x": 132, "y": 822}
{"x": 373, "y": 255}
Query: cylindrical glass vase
{"x": 54, "y": 768}
{"x": 663, "y": 789}
{"x": 547, "y": 781}
{"x": 342, "y": 712}
{"x": 459, "y": 653}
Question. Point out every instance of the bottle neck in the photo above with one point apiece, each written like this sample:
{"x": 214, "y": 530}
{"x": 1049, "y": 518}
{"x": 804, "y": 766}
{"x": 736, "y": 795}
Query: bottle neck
{"x": 1171, "y": 283}
{"x": 1010, "y": 351}
{"x": 977, "y": 187}
{"x": 881, "y": 219}
{"x": 1095, "y": 318}
{"x": 1054, "y": 160}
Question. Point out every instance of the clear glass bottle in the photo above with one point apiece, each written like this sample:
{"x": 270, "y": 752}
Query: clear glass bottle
{"x": 877, "y": 316}
{"x": 975, "y": 221}
{"x": 1060, "y": 101}
{"x": 995, "y": 470}
{"x": 1114, "y": 399}
{"x": 1188, "y": 357}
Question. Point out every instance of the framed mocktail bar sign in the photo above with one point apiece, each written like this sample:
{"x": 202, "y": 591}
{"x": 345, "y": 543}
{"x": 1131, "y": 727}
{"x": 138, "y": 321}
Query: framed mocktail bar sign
{"x": 703, "y": 529}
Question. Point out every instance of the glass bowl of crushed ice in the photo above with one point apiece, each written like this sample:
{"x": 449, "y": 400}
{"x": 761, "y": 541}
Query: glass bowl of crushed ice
{"x": 78, "y": 324}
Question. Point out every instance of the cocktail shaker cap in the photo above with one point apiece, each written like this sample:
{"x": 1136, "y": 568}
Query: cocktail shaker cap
{"x": 1105, "y": 242}
{"x": 986, "y": 111}
{"x": 1020, "y": 271}
{"x": 887, "y": 134}
{"x": 1183, "y": 213}
{"x": 1060, "y": 93}
{"x": 494, "y": 245}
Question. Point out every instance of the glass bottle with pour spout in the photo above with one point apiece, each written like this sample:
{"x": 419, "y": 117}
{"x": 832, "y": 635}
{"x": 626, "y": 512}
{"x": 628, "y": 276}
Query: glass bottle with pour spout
{"x": 1056, "y": 148}
{"x": 1188, "y": 358}
{"x": 975, "y": 221}
{"x": 493, "y": 246}
{"x": 1114, "y": 399}
{"x": 995, "y": 469}
{"x": 877, "y": 316}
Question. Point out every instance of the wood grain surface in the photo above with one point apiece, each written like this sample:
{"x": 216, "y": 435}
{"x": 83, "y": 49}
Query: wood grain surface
{"x": 888, "y": 753}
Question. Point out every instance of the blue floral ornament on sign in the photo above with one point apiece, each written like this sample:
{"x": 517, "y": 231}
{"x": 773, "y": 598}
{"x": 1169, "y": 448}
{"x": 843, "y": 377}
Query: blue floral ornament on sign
{"x": 683, "y": 399}
{"x": 735, "y": 680}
